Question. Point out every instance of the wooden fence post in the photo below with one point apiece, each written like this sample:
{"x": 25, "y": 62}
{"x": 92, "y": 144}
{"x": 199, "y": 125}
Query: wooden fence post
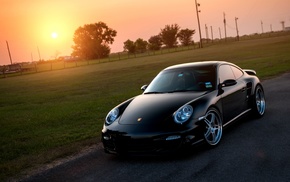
{"x": 4, "y": 71}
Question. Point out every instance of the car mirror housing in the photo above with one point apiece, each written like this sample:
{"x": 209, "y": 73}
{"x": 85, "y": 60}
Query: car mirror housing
{"x": 228, "y": 83}
{"x": 144, "y": 87}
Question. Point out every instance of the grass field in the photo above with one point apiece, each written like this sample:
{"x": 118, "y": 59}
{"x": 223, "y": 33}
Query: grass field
{"x": 49, "y": 115}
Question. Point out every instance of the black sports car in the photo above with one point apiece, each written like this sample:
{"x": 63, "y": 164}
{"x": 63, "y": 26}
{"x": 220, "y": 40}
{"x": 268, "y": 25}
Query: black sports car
{"x": 182, "y": 106}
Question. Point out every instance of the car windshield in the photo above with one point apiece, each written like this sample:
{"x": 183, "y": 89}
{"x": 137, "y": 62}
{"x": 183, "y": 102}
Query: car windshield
{"x": 183, "y": 80}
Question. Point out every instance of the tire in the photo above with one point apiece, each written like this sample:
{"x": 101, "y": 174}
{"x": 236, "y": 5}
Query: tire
{"x": 213, "y": 127}
{"x": 259, "y": 102}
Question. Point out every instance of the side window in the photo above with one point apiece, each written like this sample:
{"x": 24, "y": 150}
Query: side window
{"x": 237, "y": 72}
{"x": 225, "y": 73}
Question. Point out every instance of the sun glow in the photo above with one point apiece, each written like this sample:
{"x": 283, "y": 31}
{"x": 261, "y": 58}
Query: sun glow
{"x": 54, "y": 35}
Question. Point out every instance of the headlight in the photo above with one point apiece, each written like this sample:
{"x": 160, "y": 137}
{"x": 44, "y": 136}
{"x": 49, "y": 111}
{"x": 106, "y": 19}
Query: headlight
{"x": 183, "y": 114}
{"x": 112, "y": 116}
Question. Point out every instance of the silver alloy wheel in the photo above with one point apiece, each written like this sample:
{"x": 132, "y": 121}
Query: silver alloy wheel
{"x": 213, "y": 128}
{"x": 260, "y": 101}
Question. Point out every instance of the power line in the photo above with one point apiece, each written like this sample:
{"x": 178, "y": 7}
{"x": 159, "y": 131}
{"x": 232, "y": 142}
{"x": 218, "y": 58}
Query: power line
{"x": 229, "y": 26}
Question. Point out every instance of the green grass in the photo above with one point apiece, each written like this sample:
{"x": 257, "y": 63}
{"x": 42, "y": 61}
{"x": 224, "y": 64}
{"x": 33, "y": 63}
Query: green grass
{"x": 48, "y": 115}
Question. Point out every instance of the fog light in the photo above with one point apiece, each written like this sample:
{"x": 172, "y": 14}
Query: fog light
{"x": 173, "y": 137}
{"x": 106, "y": 138}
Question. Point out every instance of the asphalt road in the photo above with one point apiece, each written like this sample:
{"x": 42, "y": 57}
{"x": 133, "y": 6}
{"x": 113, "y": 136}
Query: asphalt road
{"x": 250, "y": 150}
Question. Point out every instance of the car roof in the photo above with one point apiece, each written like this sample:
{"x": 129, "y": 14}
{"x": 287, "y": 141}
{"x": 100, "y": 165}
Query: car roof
{"x": 193, "y": 64}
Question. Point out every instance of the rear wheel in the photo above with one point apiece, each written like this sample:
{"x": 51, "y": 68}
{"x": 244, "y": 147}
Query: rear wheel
{"x": 259, "y": 105}
{"x": 213, "y": 128}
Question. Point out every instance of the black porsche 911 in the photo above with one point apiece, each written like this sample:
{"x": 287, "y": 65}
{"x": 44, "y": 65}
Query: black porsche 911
{"x": 183, "y": 105}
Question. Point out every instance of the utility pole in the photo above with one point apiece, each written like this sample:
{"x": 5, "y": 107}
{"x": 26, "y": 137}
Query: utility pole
{"x": 211, "y": 34}
{"x": 271, "y": 28}
{"x": 262, "y": 27}
{"x": 31, "y": 57}
{"x": 236, "y": 20}
{"x": 206, "y": 33}
{"x": 197, "y": 15}
{"x": 9, "y": 52}
{"x": 225, "y": 25}
{"x": 38, "y": 54}
{"x": 283, "y": 25}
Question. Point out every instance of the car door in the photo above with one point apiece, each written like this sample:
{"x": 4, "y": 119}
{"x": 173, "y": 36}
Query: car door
{"x": 233, "y": 97}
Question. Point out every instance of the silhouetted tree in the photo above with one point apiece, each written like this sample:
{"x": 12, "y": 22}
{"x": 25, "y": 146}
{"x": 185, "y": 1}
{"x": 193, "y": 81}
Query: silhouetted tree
{"x": 141, "y": 45}
{"x": 129, "y": 46}
{"x": 155, "y": 43}
{"x": 92, "y": 41}
{"x": 185, "y": 36}
{"x": 169, "y": 35}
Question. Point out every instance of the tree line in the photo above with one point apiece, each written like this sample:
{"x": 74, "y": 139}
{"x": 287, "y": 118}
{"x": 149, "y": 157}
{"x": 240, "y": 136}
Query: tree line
{"x": 92, "y": 41}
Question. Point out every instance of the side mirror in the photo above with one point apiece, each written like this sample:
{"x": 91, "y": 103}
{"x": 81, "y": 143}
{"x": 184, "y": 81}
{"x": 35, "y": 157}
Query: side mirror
{"x": 144, "y": 87}
{"x": 228, "y": 83}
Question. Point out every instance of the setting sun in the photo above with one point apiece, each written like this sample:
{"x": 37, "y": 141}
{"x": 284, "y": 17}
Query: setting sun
{"x": 54, "y": 35}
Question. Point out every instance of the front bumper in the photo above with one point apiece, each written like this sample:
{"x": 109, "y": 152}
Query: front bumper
{"x": 120, "y": 143}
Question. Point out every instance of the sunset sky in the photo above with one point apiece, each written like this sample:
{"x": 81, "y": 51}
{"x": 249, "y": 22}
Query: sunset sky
{"x": 49, "y": 25}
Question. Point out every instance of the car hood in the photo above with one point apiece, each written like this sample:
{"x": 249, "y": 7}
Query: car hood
{"x": 154, "y": 109}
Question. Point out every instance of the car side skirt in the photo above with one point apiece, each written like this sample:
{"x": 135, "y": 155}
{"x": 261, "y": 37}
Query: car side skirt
{"x": 243, "y": 113}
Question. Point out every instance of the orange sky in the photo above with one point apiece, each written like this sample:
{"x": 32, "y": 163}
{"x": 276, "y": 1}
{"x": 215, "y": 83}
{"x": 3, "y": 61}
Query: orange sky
{"x": 28, "y": 24}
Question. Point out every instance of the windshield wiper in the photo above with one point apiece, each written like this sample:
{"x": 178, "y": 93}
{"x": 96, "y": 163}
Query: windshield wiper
{"x": 153, "y": 92}
{"x": 173, "y": 91}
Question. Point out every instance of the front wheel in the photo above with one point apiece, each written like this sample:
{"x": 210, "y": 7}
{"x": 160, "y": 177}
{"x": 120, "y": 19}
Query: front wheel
{"x": 213, "y": 128}
{"x": 259, "y": 105}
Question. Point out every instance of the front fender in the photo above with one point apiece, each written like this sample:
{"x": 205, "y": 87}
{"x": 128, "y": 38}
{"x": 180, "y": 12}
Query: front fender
{"x": 202, "y": 104}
